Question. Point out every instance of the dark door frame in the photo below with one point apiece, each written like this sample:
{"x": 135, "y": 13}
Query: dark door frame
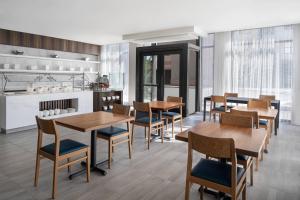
{"x": 183, "y": 50}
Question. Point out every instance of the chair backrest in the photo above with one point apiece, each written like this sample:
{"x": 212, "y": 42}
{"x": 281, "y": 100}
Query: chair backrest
{"x": 142, "y": 110}
{"x": 47, "y": 127}
{"x": 230, "y": 94}
{"x": 257, "y": 103}
{"x": 174, "y": 99}
{"x": 236, "y": 120}
{"x": 177, "y": 100}
{"x": 213, "y": 147}
{"x": 267, "y": 97}
{"x": 121, "y": 109}
{"x": 253, "y": 114}
{"x": 215, "y": 99}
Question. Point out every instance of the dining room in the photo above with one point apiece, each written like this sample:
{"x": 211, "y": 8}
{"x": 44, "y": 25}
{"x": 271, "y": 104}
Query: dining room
{"x": 139, "y": 100}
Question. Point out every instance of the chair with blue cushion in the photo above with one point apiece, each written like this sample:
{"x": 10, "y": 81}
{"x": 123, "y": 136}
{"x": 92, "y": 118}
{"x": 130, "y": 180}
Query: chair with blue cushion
{"x": 263, "y": 123}
{"x": 145, "y": 118}
{"x": 173, "y": 114}
{"x": 220, "y": 176}
{"x": 60, "y": 150}
{"x": 115, "y": 135}
{"x": 218, "y": 105}
{"x": 246, "y": 119}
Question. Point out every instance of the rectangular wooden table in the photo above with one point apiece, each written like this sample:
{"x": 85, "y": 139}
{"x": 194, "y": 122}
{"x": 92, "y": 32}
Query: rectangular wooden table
{"x": 90, "y": 122}
{"x": 247, "y": 141}
{"x": 244, "y": 100}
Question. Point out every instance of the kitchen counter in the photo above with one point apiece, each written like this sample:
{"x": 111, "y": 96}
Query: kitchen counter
{"x": 18, "y": 111}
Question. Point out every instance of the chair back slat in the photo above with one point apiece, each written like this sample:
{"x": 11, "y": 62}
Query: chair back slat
{"x": 236, "y": 120}
{"x": 212, "y": 147}
{"x": 121, "y": 109}
{"x": 218, "y": 99}
{"x": 174, "y": 99}
{"x": 252, "y": 114}
{"x": 267, "y": 97}
{"x": 230, "y": 94}
{"x": 46, "y": 126}
{"x": 256, "y": 103}
{"x": 141, "y": 107}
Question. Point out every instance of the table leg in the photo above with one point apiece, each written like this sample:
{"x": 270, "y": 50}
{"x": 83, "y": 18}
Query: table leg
{"x": 277, "y": 118}
{"x": 94, "y": 164}
{"x": 204, "y": 110}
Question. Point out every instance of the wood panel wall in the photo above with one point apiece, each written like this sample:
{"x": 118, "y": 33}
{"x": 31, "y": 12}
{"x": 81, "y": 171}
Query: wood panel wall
{"x": 16, "y": 38}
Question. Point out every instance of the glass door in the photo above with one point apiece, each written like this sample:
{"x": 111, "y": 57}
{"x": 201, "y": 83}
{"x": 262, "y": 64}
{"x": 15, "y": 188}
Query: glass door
{"x": 171, "y": 75}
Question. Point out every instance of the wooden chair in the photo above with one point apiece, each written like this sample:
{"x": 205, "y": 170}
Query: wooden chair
{"x": 58, "y": 151}
{"x": 246, "y": 119}
{"x": 215, "y": 108}
{"x": 173, "y": 114}
{"x": 115, "y": 135}
{"x": 230, "y": 94}
{"x": 263, "y": 123}
{"x": 213, "y": 174}
{"x": 144, "y": 117}
{"x": 268, "y": 98}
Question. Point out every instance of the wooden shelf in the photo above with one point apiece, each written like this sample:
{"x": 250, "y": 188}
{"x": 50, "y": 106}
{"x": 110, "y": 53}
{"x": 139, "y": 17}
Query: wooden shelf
{"x": 24, "y": 71}
{"x": 48, "y": 58}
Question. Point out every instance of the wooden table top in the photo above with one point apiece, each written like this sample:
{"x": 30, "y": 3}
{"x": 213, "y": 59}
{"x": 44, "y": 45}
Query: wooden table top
{"x": 164, "y": 105}
{"x": 262, "y": 113}
{"x": 247, "y": 141}
{"x": 92, "y": 121}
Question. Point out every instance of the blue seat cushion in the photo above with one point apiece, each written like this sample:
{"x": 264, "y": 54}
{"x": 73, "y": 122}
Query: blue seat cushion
{"x": 215, "y": 171}
{"x": 263, "y": 122}
{"x": 242, "y": 157}
{"x": 170, "y": 114}
{"x": 66, "y": 146}
{"x": 220, "y": 109}
{"x": 111, "y": 131}
{"x": 146, "y": 120}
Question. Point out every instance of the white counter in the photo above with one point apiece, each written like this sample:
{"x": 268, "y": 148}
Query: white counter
{"x": 17, "y": 112}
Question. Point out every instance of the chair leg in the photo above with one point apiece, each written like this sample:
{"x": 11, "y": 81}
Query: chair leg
{"x": 162, "y": 133}
{"x": 69, "y": 166}
{"x": 167, "y": 121}
{"x": 201, "y": 192}
{"x": 187, "y": 190}
{"x": 54, "y": 184}
{"x": 244, "y": 194}
{"x": 251, "y": 173}
{"x": 132, "y": 133}
{"x": 173, "y": 127}
{"x": 129, "y": 147}
{"x": 37, "y": 170}
{"x": 109, "y": 152}
{"x": 256, "y": 163}
{"x": 112, "y": 148}
{"x": 149, "y": 136}
{"x": 181, "y": 122}
{"x": 88, "y": 160}
{"x": 145, "y": 132}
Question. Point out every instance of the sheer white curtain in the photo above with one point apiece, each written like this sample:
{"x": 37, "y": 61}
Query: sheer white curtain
{"x": 296, "y": 79}
{"x": 254, "y": 62}
{"x": 115, "y": 64}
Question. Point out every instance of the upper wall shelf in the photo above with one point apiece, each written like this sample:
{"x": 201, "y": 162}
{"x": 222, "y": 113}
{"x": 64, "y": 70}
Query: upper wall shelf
{"x": 47, "y": 58}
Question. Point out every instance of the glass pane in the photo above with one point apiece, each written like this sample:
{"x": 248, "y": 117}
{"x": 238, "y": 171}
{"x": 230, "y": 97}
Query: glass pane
{"x": 208, "y": 41}
{"x": 207, "y": 73}
{"x": 192, "y": 82}
{"x": 150, "y": 93}
{"x": 150, "y": 67}
{"x": 171, "y": 69}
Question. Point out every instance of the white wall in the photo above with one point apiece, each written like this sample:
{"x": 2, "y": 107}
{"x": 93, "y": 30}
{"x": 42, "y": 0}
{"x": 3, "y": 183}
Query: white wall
{"x": 132, "y": 72}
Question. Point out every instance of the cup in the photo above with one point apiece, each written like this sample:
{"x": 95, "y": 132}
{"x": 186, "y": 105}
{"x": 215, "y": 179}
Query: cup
{"x": 111, "y": 107}
{"x": 104, "y": 98}
{"x": 104, "y": 107}
{"x": 57, "y": 111}
{"x": 51, "y": 112}
{"x": 117, "y": 97}
{"x": 113, "y": 97}
{"x": 41, "y": 113}
{"x": 63, "y": 111}
{"x": 46, "y": 113}
{"x": 108, "y": 98}
{"x": 71, "y": 110}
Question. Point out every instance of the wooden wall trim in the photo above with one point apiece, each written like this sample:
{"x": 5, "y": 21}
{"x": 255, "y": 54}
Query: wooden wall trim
{"x": 22, "y": 39}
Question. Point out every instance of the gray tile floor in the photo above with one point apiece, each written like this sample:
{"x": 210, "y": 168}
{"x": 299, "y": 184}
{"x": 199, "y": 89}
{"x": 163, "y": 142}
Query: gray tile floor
{"x": 155, "y": 174}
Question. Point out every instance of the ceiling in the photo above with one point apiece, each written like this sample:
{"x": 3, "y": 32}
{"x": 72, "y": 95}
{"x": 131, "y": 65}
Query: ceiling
{"x": 105, "y": 21}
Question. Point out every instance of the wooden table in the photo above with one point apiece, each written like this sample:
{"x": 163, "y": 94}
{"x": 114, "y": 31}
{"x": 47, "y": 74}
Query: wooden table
{"x": 247, "y": 141}
{"x": 90, "y": 122}
{"x": 244, "y": 100}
